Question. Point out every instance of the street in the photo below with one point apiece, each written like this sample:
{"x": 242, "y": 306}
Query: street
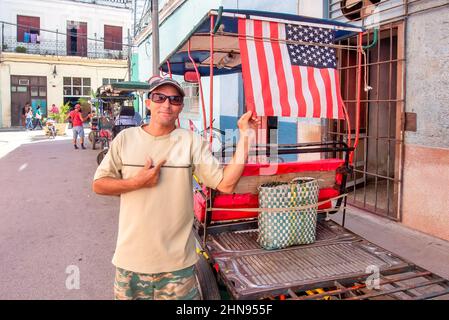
{"x": 52, "y": 225}
{"x": 50, "y": 219}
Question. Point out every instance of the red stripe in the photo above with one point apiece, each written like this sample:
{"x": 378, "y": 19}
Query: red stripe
{"x": 281, "y": 80}
{"x": 299, "y": 92}
{"x": 314, "y": 91}
{"x": 341, "y": 114}
{"x": 246, "y": 74}
{"x": 328, "y": 87}
{"x": 263, "y": 69}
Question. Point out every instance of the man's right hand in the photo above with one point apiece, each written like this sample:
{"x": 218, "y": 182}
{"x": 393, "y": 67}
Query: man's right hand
{"x": 148, "y": 177}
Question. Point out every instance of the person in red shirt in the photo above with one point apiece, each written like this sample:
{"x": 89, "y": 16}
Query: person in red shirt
{"x": 77, "y": 122}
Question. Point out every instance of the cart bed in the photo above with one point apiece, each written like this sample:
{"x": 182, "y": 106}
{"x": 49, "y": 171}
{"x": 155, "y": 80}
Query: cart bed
{"x": 338, "y": 256}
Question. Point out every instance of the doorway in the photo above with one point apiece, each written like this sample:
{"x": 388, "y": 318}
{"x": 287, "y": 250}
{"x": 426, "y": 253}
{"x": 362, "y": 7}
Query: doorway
{"x": 375, "y": 182}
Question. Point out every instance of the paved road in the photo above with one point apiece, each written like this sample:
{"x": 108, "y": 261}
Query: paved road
{"x": 50, "y": 219}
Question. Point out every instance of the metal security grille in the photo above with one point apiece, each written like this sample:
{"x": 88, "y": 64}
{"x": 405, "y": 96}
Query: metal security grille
{"x": 375, "y": 182}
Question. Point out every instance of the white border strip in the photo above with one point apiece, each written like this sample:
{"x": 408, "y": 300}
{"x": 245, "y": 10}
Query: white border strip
{"x": 300, "y": 23}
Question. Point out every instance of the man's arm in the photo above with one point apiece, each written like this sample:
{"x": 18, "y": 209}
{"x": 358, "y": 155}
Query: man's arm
{"x": 233, "y": 171}
{"x": 147, "y": 177}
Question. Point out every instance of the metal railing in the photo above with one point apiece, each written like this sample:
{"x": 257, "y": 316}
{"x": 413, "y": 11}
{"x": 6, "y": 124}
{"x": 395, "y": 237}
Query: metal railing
{"x": 57, "y": 43}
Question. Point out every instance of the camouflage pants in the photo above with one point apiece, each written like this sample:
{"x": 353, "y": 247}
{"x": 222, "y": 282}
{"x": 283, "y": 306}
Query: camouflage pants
{"x": 176, "y": 285}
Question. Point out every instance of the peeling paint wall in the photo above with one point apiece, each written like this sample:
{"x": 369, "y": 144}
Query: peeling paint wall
{"x": 425, "y": 198}
{"x": 427, "y": 77}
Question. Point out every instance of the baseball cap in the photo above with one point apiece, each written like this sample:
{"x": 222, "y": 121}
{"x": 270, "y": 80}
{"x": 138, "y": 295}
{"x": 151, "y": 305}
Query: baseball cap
{"x": 156, "y": 82}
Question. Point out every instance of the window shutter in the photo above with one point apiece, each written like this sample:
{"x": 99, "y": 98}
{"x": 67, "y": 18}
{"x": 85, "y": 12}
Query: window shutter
{"x": 112, "y": 37}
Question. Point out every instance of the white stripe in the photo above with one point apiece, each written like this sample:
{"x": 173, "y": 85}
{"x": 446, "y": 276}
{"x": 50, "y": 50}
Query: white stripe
{"x": 254, "y": 69}
{"x": 322, "y": 92}
{"x": 306, "y": 92}
{"x": 332, "y": 73}
{"x": 285, "y": 57}
{"x": 271, "y": 67}
{"x": 298, "y": 23}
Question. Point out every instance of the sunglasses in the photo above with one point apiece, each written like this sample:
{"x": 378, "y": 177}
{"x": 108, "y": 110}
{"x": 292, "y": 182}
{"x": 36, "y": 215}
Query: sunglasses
{"x": 160, "y": 98}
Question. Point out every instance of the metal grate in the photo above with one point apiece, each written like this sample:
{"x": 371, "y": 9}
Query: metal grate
{"x": 265, "y": 272}
{"x": 375, "y": 181}
{"x": 247, "y": 240}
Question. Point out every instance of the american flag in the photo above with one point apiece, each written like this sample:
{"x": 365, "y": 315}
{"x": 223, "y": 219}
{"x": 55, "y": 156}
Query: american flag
{"x": 283, "y": 78}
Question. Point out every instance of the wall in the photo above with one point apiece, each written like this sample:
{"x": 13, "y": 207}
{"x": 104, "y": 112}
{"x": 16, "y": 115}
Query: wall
{"x": 32, "y": 65}
{"x": 425, "y": 200}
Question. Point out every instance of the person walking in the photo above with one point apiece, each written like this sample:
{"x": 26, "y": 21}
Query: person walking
{"x": 29, "y": 118}
{"x": 23, "y": 115}
{"x": 38, "y": 117}
{"x": 77, "y": 121}
{"x": 155, "y": 253}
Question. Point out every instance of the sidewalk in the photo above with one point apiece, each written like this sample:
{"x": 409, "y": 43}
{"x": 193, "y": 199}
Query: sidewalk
{"x": 12, "y": 138}
{"x": 423, "y": 250}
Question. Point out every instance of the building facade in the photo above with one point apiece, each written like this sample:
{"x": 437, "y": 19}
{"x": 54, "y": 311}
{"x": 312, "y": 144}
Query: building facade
{"x": 402, "y": 162}
{"x": 56, "y": 51}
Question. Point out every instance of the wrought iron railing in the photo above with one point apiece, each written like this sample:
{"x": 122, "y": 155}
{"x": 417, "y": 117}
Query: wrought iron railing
{"x": 55, "y": 43}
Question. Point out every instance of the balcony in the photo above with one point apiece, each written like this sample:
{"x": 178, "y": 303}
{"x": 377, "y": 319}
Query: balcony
{"x": 62, "y": 44}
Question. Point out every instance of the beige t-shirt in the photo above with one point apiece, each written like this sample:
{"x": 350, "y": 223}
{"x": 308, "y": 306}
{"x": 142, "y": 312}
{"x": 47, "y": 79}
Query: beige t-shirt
{"x": 155, "y": 224}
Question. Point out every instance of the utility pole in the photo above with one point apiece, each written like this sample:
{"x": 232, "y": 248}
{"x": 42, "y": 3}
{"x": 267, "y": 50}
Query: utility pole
{"x": 135, "y": 18}
{"x": 155, "y": 35}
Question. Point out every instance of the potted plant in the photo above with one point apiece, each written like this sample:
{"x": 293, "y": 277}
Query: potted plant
{"x": 60, "y": 118}
{"x": 21, "y": 49}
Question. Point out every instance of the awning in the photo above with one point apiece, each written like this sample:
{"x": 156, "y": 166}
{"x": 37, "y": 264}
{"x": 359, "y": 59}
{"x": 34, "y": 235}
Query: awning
{"x": 226, "y": 40}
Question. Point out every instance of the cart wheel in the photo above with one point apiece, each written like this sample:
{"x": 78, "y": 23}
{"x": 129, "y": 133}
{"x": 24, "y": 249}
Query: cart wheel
{"x": 101, "y": 155}
{"x": 207, "y": 282}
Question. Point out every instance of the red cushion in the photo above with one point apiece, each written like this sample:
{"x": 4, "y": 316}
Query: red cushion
{"x": 257, "y": 169}
{"x": 246, "y": 200}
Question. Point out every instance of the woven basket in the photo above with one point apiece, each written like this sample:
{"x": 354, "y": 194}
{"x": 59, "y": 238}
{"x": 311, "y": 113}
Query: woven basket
{"x": 281, "y": 229}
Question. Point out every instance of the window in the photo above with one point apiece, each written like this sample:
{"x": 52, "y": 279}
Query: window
{"x": 109, "y": 81}
{"x": 192, "y": 97}
{"x": 76, "y": 86}
{"x": 28, "y": 29}
{"x": 113, "y": 37}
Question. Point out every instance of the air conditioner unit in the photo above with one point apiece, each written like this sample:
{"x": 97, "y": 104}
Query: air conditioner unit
{"x": 24, "y": 82}
{"x": 370, "y": 12}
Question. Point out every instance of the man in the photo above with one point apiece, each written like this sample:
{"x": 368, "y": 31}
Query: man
{"x": 155, "y": 251}
{"x": 77, "y": 122}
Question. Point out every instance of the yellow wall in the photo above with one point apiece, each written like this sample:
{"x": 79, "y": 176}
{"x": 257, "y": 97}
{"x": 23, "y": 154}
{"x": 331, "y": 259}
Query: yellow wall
{"x": 36, "y": 65}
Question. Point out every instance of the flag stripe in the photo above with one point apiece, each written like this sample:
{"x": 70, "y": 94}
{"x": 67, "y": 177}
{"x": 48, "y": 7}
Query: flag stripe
{"x": 289, "y": 77}
{"x": 254, "y": 69}
{"x": 301, "y": 91}
{"x": 279, "y": 70}
{"x": 246, "y": 73}
{"x": 272, "y": 67}
{"x": 307, "y": 92}
{"x": 341, "y": 114}
{"x": 335, "y": 104}
{"x": 328, "y": 94}
{"x": 263, "y": 69}
{"x": 316, "y": 112}
{"x": 321, "y": 92}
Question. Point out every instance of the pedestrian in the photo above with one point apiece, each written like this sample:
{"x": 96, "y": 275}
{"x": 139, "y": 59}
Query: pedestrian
{"x": 54, "y": 109}
{"x": 23, "y": 115}
{"x": 29, "y": 118}
{"x": 77, "y": 125}
{"x": 38, "y": 117}
{"x": 155, "y": 253}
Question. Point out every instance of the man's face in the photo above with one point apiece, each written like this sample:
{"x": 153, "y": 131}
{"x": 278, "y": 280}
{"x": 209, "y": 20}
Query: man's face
{"x": 165, "y": 113}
